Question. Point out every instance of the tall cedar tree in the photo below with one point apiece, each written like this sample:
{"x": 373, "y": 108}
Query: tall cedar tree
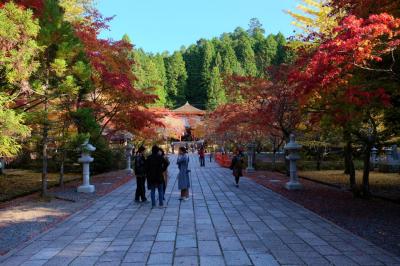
{"x": 176, "y": 79}
{"x": 18, "y": 51}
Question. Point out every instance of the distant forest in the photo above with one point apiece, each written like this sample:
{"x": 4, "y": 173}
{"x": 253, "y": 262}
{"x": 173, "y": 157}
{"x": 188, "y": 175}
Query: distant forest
{"x": 196, "y": 73}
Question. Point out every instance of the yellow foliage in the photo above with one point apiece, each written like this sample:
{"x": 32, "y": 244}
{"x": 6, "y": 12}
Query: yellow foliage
{"x": 74, "y": 10}
{"x": 315, "y": 16}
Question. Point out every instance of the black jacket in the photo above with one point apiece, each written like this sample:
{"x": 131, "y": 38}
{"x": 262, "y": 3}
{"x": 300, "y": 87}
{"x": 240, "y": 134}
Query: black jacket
{"x": 237, "y": 165}
{"x": 140, "y": 161}
{"x": 155, "y": 166}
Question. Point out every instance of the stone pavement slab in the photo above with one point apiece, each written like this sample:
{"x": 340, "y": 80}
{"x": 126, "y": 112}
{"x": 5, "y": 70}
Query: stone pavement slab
{"x": 219, "y": 225}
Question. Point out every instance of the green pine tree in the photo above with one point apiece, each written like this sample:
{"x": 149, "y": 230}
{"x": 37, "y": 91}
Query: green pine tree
{"x": 245, "y": 53}
{"x": 281, "y": 55}
{"x": 216, "y": 92}
{"x": 208, "y": 54}
{"x": 230, "y": 64}
{"x": 151, "y": 76}
{"x": 265, "y": 51}
{"x": 176, "y": 79}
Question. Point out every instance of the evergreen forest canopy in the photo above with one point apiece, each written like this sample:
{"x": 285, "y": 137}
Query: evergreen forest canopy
{"x": 196, "y": 73}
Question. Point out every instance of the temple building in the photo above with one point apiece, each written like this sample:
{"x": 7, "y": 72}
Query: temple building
{"x": 185, "y": 123}
{"x": 192, "y": 118}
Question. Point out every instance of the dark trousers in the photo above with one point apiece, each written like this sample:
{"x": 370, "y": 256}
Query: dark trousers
{"x": 164, "y": 185}
{"x": 140, "y": 188}
{"x": 202, "y": 161}
{"x": 160, "y": 195}
{"x": 237, "y": 177}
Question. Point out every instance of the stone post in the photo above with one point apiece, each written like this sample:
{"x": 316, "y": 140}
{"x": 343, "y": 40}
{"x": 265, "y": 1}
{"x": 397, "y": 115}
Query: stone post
{"x": 293, "y": 148}
{"x": 128, "y": 155}
{"x": 374, "y": 157}
{"x": 250, "y": 157}
{"x": 389, "y": 155}
{"x": 395, "y": 155}
{"x": 85, "y": 159}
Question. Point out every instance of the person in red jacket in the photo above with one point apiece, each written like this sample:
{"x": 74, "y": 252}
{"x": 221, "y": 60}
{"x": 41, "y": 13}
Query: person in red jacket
{"x": 202, "y": 156}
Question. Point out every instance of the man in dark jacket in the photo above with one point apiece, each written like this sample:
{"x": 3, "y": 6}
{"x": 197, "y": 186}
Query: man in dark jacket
{"x": 155, "y": 166}
{"x": 140, "y": 172}
{"x": 237, "y": 166}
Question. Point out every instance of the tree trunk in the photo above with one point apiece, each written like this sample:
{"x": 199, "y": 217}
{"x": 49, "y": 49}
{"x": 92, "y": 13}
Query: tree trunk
{"x": 366, "y": 170}
{"x": 319, "y": 159}
{"x": 44, "y": 150}
{"x": 274, "y": 159}
{"x": 2, "y": 166}
{"x": 348, "y": 161}
{"x": 61, "y": 180}
{"x": 350, "y": 169}
{"x": 287, "y": 162}
{"x": 63, "y": 154}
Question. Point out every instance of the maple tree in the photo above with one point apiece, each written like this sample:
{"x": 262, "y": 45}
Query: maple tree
{"x": 114, "y": 98}
{"x": 348, "y": 79}
{"x": 264, "y": 109}
{"x": 366, "y": 8}
{"x": 70, "y": 82}
{"x": 338, "y": 80}
{"x": 34, "y": 5}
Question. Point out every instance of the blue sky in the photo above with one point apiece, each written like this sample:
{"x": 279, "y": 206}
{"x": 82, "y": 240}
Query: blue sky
{"x": 166, "y": 25}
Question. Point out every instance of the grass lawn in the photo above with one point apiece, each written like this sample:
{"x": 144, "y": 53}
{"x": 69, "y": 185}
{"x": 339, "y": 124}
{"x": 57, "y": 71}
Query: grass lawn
{"x": 382, "y": 184}
{"x": 16, "y": 182}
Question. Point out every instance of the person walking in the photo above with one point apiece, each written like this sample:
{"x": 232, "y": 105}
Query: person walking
{"x": 211, "y": 155}
{"x": 140, "y": 173}
{"x": 165, "y": 173}
{"x": 155, "y": 166}
{"x": 183, "y": 175}
{"x": 237, "y": 166}
{"x": 202, "y": 157}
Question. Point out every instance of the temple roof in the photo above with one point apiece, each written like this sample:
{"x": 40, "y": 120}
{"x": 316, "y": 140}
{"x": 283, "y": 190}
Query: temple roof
{"x": 189, "y": 109}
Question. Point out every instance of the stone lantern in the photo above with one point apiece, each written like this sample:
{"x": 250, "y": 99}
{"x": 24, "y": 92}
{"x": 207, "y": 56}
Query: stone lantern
{"x": 128, "y": 154}
{"x": 86, "y": 159}
{"x": 250, "y": 157}
{"x": 389, "y": 155}
{"x": 293, "y": 149}
{"x": 374, "y": 157}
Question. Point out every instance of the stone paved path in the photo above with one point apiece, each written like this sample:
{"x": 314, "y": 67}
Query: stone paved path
{"x": 219, "y": 225}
